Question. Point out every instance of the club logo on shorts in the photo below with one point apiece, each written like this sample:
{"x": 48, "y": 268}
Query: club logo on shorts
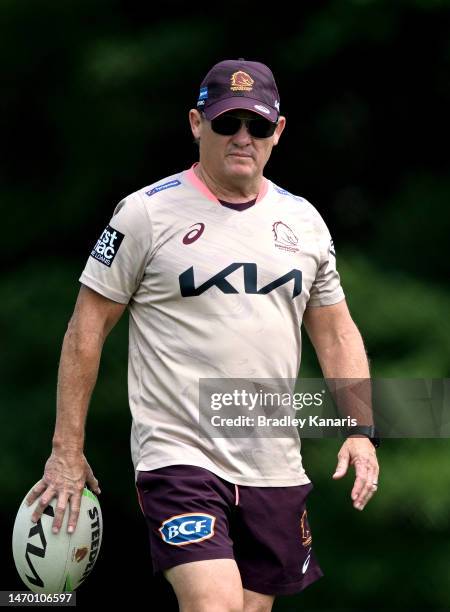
{"x": 284, "y": 237}
{"x": 305, "y": 530}
{"x": 107, "y": 246}
{"x": 194, "y": 233}
{"x": 187, "y": 528}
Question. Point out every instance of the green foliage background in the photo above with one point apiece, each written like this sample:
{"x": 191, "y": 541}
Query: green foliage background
{"x": 94, "y": 105}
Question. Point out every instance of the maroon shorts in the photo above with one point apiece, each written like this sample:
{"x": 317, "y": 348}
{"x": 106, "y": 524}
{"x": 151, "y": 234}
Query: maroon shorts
{"x": 194, "y": 515}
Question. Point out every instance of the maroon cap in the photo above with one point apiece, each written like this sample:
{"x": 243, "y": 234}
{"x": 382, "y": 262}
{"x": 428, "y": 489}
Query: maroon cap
{"x": 235, "y": 84}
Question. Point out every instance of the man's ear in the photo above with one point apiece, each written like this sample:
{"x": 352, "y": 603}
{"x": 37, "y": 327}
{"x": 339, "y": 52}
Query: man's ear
{"x": 195, "y": 120}
{"x": 279, "y": 129}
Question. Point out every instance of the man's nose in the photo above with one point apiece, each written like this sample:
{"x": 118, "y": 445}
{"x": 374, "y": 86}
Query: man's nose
{"x": 242, "y": 136}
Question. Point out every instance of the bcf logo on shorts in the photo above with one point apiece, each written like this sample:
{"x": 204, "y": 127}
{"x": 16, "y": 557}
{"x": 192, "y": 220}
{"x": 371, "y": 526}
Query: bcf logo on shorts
{"x": 187, "y": 528}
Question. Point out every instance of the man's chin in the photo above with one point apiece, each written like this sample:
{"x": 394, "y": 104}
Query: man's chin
{"x": 241, "y": 166}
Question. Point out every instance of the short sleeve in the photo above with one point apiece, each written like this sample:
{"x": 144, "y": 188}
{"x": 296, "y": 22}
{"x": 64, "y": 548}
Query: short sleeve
{"x": 118, "y": 259}
{"x": 326, "y": 288}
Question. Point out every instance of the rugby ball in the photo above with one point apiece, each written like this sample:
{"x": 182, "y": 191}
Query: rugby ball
{"x": 55, "y": 563}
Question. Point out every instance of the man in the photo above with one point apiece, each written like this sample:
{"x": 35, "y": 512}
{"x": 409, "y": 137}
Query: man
{"x": 218, "y": 267}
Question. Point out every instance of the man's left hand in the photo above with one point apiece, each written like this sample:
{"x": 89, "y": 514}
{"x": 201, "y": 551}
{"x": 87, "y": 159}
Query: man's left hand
{"x": 360, "y": 452}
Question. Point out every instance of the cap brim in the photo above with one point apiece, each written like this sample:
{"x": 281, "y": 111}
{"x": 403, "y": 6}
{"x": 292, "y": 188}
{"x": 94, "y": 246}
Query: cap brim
{"x": 236, "y": 102}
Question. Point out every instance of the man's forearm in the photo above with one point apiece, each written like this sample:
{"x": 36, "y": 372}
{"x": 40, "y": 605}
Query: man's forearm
{"x": 345, "y": 356}
{"x": 345, "y": 365}
{"x": 77, "y": 375}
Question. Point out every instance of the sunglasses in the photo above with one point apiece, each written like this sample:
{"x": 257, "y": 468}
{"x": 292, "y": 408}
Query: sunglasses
{"x": 228, "y": 125}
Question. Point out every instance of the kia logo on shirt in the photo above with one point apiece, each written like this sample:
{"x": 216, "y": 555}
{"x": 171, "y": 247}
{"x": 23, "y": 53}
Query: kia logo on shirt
{"x": 219, "y": 280}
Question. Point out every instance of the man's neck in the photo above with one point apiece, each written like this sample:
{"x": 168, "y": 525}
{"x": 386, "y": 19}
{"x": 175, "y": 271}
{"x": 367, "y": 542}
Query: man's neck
{"x": 240, "y": 191}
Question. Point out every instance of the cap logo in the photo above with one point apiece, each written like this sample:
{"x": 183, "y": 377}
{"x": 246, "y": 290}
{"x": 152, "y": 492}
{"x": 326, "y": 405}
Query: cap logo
{"x": 241, "y": 81}
{"x": 203, "y": 93}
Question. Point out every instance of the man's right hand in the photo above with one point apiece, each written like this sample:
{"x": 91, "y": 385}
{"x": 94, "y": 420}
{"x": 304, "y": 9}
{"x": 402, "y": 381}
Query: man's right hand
{"x": 64, "y": 477}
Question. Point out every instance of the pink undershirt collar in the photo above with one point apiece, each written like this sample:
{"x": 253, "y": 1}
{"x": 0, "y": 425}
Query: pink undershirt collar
{"x": 200, "y": 185}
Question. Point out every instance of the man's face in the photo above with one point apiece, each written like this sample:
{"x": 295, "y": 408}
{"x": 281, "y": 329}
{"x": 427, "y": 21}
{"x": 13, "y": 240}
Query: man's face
{"x": 239, "y": 156}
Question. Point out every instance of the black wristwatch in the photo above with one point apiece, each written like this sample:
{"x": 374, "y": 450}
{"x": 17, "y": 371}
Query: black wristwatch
{"x": 365, "y": 430}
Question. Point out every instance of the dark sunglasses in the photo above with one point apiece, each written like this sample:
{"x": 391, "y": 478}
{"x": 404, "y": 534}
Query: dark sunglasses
{"x": 258, "y": 127}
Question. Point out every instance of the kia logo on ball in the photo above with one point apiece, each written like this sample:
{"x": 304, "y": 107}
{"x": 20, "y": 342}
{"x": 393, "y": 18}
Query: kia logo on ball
{"x": 33, "y": 550}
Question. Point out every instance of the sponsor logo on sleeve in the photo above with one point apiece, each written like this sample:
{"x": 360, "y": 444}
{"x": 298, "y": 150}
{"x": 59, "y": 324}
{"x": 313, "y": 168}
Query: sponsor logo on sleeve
{"x": 188, "y": 528}
{"x": 107, "y": 246}
{"x": 163, "y": 186}
{"x": 331, "y": 265}
{"x": 332, "y": 249}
